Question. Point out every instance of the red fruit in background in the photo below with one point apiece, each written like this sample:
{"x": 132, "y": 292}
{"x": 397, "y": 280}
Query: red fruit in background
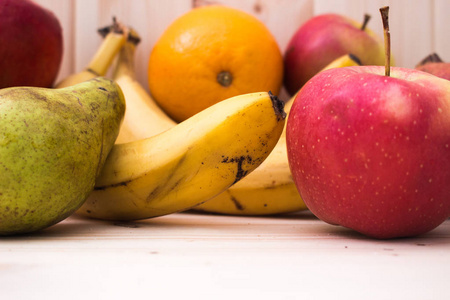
{"x": 323, "y": 39}
{"x": 433, "y": 64}
{"x": 31, "y": 44}
{"x": 372, "y": 152}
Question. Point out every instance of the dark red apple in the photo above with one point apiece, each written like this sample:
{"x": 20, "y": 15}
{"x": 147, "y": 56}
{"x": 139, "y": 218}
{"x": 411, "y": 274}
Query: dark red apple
{"x": 31, "y": 44}
{"x": 372, "y": 152}
{"x": 433, "y": 64}
{"x": 323, "y": 39}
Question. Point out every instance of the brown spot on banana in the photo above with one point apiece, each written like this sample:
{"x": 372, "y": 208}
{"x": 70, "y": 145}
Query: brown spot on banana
{"x": 278, "y": 106}
{"x": 164, "y": 185}
{"x": 101, "y": 188}
{"x": 241, "y": 173}
{"x": 236, "y": 203}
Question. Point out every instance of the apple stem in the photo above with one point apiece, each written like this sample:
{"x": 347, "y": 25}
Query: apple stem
{"x": 366, "y": 20}
{"x": 387, "y": 39}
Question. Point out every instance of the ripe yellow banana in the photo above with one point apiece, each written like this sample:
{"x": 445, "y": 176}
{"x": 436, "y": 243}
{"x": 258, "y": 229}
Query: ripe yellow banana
{"x": 269, "y": 189}
{"x": 115, "y": 38}
{"x": 346, "y": 60}
{"x": 189, "y": 163}
{"x": 143, "y": 117}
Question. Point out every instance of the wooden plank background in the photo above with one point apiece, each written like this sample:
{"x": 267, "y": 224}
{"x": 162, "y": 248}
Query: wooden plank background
{"x": 418, "y": 27}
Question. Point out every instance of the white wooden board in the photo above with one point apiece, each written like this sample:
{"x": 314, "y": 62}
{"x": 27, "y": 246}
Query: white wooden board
{"x": 195, "y": 256}
{"x": 418, "y": 27}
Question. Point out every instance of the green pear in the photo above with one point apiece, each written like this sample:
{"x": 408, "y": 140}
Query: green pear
{"x": 53, "y": 144}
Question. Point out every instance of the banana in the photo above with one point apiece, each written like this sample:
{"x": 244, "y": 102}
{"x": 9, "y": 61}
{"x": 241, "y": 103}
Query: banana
{"x": 346, "y": 60}
{"x": 189, "y": 163}
{"x": 269, "y": 189}
{"x": 143, "y": 117}
{"x": 115, "y": 37}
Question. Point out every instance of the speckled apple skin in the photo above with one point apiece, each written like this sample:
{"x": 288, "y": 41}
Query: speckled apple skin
{"x": 371, "y": 152}
{"x": 321, "y": 40}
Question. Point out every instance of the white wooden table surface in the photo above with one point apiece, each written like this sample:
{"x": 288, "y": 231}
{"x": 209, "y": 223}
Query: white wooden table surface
{"x": 197, "y": 256}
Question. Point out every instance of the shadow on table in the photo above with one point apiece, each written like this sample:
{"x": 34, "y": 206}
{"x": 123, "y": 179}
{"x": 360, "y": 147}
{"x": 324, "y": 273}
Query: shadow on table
{"x": 437, "y": 236}
{"x": 78, "y": 226}
{"x": 304, "y": 214}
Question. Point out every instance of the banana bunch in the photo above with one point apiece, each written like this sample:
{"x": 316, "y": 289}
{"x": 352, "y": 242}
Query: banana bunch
{"x": 189, "y": 163}
{"x": 159, "y": 167}
{"x": 269, "y": 189}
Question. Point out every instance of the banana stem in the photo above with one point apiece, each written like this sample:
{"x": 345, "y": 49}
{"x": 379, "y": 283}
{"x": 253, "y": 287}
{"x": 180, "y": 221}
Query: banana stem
{"x": 125, "y": 63}
{"x": 387, "y": 39}
{"x": 106, "y": 53}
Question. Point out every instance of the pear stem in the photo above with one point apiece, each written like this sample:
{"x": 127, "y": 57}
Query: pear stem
{"x": 366, "y": 20}
{"x": 387, "y": 39}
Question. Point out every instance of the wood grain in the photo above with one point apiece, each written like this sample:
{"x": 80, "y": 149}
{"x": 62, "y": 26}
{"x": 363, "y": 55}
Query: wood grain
{"x": 196, "y": 256}
{"x": 441, "y": 26}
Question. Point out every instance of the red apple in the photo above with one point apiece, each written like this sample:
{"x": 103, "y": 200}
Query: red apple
{"x": 372, "y": 152}
{"x": 31, "y": 44}
{"x": 323, "y": 39}
{"x": 433, "y": 64}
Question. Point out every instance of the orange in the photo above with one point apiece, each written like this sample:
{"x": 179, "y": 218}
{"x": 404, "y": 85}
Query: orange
{"x": 210, "y": 54}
